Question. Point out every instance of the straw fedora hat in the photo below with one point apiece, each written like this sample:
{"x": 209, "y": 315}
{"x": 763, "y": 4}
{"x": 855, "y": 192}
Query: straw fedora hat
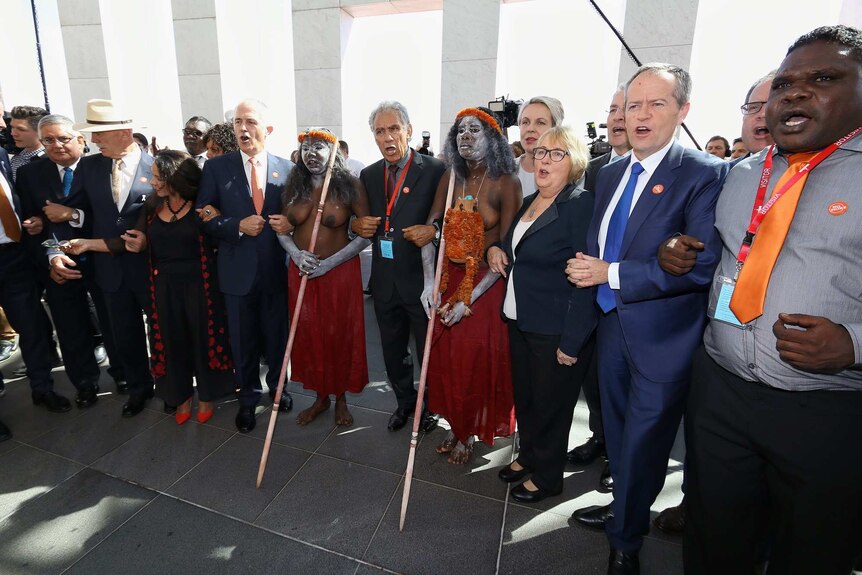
{"x": 103, "y": 115}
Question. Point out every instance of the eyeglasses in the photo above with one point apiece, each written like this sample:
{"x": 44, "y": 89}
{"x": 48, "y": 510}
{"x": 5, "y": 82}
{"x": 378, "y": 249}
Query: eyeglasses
{"x": 51, "y": 141}
{"x": 557, "y": 155}
{"x": 195, "y": 133}
{"x": 751, "y": 108}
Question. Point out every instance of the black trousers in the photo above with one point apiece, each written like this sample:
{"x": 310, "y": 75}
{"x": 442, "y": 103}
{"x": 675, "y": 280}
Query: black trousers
{"x": 126, "y": 307}
{"x": 591, "y": 393}
{"x": 771, "y": 465}
{"x": 396, "y": 319}
{"x": 71, "y": 312}
{"x": 545, "y": 396}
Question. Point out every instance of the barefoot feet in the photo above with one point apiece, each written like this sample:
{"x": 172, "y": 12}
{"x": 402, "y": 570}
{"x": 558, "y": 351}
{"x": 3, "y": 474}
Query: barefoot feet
{"x": 462, "y": 452}
{"x": 320, "y": 405}
{"x": 342, "y": 414}
{"x": 448, "y": 444}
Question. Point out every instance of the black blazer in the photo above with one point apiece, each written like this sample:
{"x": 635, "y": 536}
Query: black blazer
{"x": 404, "y": 272}
{"x": 547, "y": 303}
{"x": 593, "y": 168}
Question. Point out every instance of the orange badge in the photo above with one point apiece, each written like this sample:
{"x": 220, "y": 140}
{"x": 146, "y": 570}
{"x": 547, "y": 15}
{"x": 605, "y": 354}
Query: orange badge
{"x": 275, "y": 174}
{"x": 838, "y": 208}
{"x": 657, "y": 189}
{"x": 405, "y": 190}
{"x": 143, "y": 179}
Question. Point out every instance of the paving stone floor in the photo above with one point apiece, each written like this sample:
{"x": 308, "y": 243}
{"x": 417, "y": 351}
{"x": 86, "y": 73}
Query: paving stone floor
{"x": 88, "y": 492}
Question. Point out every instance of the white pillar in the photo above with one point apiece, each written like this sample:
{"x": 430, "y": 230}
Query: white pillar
{"x": 198, "y": 67}
{"x": 81, "y": 26}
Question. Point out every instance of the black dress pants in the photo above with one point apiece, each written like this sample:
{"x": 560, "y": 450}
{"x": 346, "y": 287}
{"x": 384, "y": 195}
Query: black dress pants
{"x": 396, "y": 319}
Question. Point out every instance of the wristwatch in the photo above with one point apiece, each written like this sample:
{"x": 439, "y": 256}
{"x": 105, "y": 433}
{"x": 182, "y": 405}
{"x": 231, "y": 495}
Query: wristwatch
{"x": 436, "y": 231}
{"x": 76, "y": 217}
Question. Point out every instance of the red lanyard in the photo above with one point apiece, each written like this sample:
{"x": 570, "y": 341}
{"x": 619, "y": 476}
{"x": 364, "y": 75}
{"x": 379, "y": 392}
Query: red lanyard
{"x": 395, "y": 191}
{"x": 759, "y": 211}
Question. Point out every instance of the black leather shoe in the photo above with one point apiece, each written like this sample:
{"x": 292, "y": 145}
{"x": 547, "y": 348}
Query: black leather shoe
{"x": 606, "y": 481}
{"x": 672, "y": 519}
{"x": 398, "y": 419}
{"x": 509, "y": 475}
{"x": 5, "y": 432}
{"x": 52, "y": 401}
{"x": 122, "y": 387}
{"x": 622, "y": 563}
{"x": 587, "y": 453}
{"x": 429, "y": 421}
{"x": 286, "y": 401}
{"x": 136, "y": 403}
{"x": 524, "y": 495}
{"x": 593, "y": 517}
{"x": 87, "y": 396}
{"x": 245, "y": 420}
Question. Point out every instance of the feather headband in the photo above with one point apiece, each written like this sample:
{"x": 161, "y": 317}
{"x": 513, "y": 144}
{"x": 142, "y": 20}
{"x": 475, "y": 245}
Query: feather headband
{"x": 484, "y": 116}
{"x": 318, "y": 134}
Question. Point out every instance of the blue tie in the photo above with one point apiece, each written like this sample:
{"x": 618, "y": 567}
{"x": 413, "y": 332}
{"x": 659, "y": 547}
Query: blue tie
{"x": 616, "y": 231}
{"x": 67, "y": 181}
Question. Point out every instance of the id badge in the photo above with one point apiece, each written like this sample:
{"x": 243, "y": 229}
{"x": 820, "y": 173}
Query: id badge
{"x": 719, "y": 301}
{"x": 386, "y": 247}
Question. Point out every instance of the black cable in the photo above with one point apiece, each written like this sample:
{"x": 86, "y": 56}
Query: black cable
{"x": 39, "y": 54}
{"x": 634, "y": 58}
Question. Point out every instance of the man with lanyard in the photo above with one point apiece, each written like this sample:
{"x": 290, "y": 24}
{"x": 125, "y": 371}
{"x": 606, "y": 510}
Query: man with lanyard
{"x": 401, "y": 189}
{"x": 772, "y": 426}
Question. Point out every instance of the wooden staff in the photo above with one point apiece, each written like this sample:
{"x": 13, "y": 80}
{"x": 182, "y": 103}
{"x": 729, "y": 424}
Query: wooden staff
{"x": 294, "y": 322}
{"x": 423, "y": 374}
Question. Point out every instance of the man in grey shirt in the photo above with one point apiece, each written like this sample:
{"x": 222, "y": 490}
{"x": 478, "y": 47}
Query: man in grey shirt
{"x": 772, "y": 427}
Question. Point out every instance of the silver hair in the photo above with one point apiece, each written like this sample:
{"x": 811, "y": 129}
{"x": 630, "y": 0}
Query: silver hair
{"x": 767, "y": 78}
{"x": 260, "y": 107}
{"x": 58, "y": 120}
{"x": 682, "y": 90}
{"x": 552, "y": 104}
{"x": 386, "y": 106}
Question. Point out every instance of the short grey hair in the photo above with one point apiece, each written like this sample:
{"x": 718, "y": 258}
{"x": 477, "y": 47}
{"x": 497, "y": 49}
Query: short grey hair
{"x": 768, "y": 78}
{"x": 389, "y": 106}
{"x": 682, "y": 90}
{"x": 58, "y": 120}
{"x": 552, "y": 104}
{"x": 261, "y": 108}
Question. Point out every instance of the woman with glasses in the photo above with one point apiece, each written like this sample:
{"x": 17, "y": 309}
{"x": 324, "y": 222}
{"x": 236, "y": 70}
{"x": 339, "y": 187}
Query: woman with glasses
{"x": 549, "y": 320}
{"x": 189, "y": 340}
{"x": 469, "y": 379}
{"x": 537, "y": 115}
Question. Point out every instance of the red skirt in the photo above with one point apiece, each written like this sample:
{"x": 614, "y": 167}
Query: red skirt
{"x": 329, "y": 348}
{"x": 469, "y": 372}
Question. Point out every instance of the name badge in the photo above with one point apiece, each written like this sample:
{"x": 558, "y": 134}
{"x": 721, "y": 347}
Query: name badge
{"x": 386, "y": 247}
{"x": 719, "y": 301}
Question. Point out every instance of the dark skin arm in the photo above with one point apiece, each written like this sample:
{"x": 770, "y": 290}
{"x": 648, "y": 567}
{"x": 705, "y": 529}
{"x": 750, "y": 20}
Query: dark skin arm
{"x": 820, "y": 346}
{"x": 677, "y": 255}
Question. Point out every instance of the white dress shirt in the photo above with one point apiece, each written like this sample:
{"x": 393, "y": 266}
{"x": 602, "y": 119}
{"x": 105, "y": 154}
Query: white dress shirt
{"x": 127, "y": 174}
{"x": 7, "y": 190}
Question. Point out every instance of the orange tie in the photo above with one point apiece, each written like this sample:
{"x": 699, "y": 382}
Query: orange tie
{"x": 256, "y": 192}
{"x": 747, "y": 301}
{"x": 8, "y": 218}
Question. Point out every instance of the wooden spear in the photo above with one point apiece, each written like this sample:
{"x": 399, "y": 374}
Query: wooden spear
{"x": 423, "y": 374}
{"x": 294, "y": 322}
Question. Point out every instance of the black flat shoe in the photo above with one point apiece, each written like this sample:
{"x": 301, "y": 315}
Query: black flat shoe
{"x": 622, "y": 563}
{"x": 606, "y": 481}
{"x": 245, "y": 420}
{"x": 87, "y": 397}
{"x": 524, "y": 495}
{"x": 398, "y": 419}
{"x": 593, "y": 517}
{"x": 586, "y": 453}
{"x": 51, "y": 401}
{"x": 286, "y": 402}
{"x": 509, "y": 475}
{"x": 136, "y": 404}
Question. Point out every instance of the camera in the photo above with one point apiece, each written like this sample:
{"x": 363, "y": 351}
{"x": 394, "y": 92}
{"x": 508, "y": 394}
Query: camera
{"x": 505, "y": 110}
{"x": 598, "y": 145}
{"x": 426, "y": 135}
{"x": 6, "y": 141}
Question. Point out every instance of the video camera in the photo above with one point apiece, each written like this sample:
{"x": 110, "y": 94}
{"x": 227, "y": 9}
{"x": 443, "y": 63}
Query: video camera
{"x": 505, "y": 110}
{"x": 598, "y": 145}
{"x": 6, "y": 141}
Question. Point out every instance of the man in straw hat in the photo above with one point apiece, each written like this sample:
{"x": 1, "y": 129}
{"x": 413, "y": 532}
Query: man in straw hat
{"x": 110, "y": 189}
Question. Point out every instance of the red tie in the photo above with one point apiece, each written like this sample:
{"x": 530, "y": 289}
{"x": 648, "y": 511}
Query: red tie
{"x": 256, "y": 192}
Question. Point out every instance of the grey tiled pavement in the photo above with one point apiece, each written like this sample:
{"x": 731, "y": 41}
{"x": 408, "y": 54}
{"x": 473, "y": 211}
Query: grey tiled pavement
{"x": 88, "y": 492}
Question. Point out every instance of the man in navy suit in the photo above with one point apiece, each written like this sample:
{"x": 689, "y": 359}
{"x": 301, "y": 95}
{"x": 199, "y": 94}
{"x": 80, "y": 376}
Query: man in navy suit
{"x": 651, "y": 322}
{"x": 110, "y": 189}
{"x": 246, "y": 187}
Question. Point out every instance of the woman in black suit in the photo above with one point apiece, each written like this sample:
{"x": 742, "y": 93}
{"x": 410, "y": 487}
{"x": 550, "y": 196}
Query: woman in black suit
{"x": 549, "y": 321}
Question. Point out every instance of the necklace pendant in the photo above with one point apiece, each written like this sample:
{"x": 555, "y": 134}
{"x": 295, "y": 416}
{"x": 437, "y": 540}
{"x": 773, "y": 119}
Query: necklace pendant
{"x": 174, "y": 218}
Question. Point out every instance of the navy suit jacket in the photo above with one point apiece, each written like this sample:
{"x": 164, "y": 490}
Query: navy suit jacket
{"x": 663, "y": 316}
{"x": 244, "y": 261}
{"x": 547, "y": 303}
{"x": 91, "y": 192}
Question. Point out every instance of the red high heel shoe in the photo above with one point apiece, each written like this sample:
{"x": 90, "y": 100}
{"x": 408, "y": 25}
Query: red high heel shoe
{"x": 205, "y": 411}
{"x": 184, "y": 412}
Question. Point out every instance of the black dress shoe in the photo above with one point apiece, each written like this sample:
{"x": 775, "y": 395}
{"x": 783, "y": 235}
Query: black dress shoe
{"x": 286, "y": 401}
{"x": 398, "y": 419}
{"x": 245, "y": 420}
{"x": 122, "y": 387}
{"x": 429, "y": 421}
{"x": 587, "y": 453}
{"x": 509, "y": 475}
{"x": 52, "y": 401}
{"x": 606, "y": 481}
{"x": 136, "y": 403}
{"x": 5, "y": 432}
{"x": 593, "y": 517}
{"x": 87, "y": 396}
{"x": 672, "y": 519}
{"x": 524, "y": 495}
{"x": 622, "y": 563}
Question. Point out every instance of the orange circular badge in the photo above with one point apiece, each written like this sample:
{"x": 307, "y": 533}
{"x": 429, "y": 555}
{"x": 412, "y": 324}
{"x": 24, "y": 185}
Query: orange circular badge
{"x": 837, "y": 208}
{"x": 657, "y": 189}
{"x": 405, "y": 190}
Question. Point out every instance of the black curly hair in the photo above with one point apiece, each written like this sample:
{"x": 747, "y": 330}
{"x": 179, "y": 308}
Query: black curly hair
{"x": 223, "y": 136}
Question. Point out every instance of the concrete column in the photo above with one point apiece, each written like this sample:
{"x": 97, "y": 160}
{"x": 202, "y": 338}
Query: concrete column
{"x": 318, "y": 26}
{"x": 81, "y": 27}
{"x": 470, "y": 32}
{"x": 197, "y": 47}
{"x": 658, "y": 31}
